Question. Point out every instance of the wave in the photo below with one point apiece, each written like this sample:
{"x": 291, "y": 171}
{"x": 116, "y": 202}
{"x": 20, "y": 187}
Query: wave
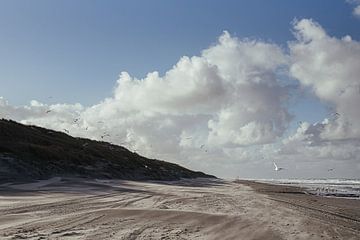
{"x": 344, "y": 188}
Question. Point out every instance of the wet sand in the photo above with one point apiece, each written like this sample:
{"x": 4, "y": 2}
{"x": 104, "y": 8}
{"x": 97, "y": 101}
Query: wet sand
{"x": 344, "y": 212}
{"x": 187, "y": 209}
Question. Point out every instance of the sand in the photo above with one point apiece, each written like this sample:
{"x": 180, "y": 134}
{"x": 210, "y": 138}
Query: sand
{"x": 64, "y": 208}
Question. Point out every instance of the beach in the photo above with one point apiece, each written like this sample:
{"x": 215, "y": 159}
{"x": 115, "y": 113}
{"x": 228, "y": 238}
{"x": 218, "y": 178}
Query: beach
{"x": 70, "y": 208}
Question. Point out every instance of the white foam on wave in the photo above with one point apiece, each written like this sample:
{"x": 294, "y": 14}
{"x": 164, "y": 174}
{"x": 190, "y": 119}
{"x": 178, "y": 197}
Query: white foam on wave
{"x": 346, "y": 188}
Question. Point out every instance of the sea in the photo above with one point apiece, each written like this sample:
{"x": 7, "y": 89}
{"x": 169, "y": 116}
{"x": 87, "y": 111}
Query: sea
{"x": 343, "y": 188}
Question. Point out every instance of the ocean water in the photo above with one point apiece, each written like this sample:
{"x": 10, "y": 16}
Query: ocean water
{"x": 345, "y": 188}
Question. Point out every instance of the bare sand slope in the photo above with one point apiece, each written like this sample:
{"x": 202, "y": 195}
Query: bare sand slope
{"x": 188, "y": 209}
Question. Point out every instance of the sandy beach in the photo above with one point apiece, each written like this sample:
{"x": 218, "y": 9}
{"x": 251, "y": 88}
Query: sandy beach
{"x": 62, "y": 208}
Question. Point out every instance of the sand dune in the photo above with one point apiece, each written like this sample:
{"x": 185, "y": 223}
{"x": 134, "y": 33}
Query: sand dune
{"x": 187, "y": 209}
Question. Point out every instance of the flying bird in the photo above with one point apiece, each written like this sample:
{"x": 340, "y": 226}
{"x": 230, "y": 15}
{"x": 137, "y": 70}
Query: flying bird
{"x": 67, "y": 131}
{"x": 48, "y": 111}
{"x": 277, "y": 168}
{"x": 105, "y": 135}
{"x": 336, "y": 115}
{"x": 342, "y": 91}
{"x": 202, "y": 146}
{"x": 330, "y": 169}
{"x": 76, "y": 119}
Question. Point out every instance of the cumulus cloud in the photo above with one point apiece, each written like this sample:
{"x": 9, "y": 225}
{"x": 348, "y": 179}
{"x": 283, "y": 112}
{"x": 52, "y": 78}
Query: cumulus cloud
{"x": 307, "y": 145}
{"x": 229, "y": 96}
{"x": 253, "y": 111}
{"x": 227, "y": 105}
{"x": 329, "y": 68}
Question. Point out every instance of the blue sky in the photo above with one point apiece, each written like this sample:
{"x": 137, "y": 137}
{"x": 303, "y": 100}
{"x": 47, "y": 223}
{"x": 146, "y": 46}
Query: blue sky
{"x": 74, "y": 50}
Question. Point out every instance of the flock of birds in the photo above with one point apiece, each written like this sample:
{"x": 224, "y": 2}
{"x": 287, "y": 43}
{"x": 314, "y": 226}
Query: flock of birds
{"x": 76, "y": 121}
{"x": 202, "y": 146}
{"x": 105, "y": 135}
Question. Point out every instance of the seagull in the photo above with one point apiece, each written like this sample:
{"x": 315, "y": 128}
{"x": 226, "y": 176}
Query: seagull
{"x": 330, "y": 169}
{"x": 202, "y": 146}
{"x": 105, "y": 135}
{"x": 48, "y": 111}
{"x": 342, "y": 91}
{"x": 277, "y": 168}
{"x": 76, "y": 119}
{"x": 85, "y": 144}
{"x": 67, "y": 131}
{"x": 336, "y": 115}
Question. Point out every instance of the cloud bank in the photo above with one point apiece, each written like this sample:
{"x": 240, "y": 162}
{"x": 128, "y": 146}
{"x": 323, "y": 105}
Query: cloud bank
{"x": 227, "y": 107}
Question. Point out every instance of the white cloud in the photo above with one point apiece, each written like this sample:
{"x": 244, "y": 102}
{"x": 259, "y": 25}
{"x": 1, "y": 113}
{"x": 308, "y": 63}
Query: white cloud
{"x": 227, "y": 106}
{"x": 231, "y": 87}
{"x": 330, "y": 67}
{"x": 227, "y": 97}
{"x": 356, "y": 11}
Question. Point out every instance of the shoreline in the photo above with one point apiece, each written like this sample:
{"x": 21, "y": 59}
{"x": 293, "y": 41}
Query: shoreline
{"x": 318, "y": 187}
{"x": 337, "y": 210}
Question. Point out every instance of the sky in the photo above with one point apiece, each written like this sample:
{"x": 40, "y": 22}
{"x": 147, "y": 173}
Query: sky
{"x": 225, "y": 87}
